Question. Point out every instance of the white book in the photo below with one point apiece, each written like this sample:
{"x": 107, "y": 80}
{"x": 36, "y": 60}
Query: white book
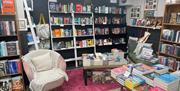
{"x": 177, "y": 34}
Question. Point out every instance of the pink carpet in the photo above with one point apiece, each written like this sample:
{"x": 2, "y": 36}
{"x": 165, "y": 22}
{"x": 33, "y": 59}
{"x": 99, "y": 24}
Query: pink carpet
{"x": 76, "y": 83}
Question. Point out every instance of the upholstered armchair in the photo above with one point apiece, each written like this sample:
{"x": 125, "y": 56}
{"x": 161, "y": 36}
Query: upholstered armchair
{"x": 45, "y": 69}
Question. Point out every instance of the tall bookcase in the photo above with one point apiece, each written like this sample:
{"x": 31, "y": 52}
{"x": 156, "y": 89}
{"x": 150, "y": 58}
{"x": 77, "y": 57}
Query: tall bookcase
{"x": 110, "y": 26}
{"x": 74, "y": 29}
{"x": 169, "y": 47}
{"x": 10, "y": 63}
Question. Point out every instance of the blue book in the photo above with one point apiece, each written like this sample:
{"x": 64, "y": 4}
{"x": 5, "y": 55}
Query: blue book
{"x": 13, "y": 66}
{"x": 168, "y": 78}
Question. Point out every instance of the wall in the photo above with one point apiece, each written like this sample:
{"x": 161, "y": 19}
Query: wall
{"x": 158, "y": 13}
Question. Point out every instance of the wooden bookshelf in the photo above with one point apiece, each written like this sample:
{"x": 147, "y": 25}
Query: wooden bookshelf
{"x": 166, "y": 46}
{"x": 165, "y": 54}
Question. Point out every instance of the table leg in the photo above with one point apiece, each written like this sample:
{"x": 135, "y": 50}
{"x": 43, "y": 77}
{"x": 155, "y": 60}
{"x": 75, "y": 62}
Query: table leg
{"x": 85, "y": 76}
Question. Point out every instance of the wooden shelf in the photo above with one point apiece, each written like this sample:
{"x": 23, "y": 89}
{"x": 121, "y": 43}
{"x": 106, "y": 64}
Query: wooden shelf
{"x": 154, "y": 28}
{"x": 169, "y": 24}
{"x": 70, "y": 48}
{"x": 173, "y": 56}
{"x": 170, "y": 42}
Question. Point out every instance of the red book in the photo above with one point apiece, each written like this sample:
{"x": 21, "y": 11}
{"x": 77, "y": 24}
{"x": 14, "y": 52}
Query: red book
{"x": 8, "y": 7}
{"x": 19, "y": 68}
{"x": 78, "y": 8}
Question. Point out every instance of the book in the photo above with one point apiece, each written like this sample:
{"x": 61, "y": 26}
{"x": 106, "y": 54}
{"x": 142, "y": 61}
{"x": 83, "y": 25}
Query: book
{"x": 11, "y": 48}
{"x": 5, "y": 84}
{"x": 17, "y": 83}
{"x": 8, "y": 7}
{"x": 52, "y": 6}
{"x": 141, "y": 69}
{"x": 2, "y": 68}
{"x": 7, "y": 28}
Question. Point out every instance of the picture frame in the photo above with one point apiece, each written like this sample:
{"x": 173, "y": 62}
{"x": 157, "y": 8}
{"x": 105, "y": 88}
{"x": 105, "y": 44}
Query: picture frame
{"x": 22, "y": 24}
{"x": 150, "y": 5}
{"x": 135, "y": 12}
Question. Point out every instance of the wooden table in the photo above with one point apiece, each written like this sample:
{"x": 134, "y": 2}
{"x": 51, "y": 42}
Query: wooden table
{"x": 99, "y": 67}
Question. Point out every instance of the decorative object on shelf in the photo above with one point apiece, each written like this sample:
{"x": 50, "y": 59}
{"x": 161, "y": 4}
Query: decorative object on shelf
{"x": 151, "y": 5}
{"x": 135, "y": 12}
{"x": 22, "y": 24}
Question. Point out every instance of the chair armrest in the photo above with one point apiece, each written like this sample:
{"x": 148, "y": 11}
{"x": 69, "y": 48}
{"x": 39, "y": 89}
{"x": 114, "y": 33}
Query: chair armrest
{"x": 28, "y": 71}
{"x": 62, "y": 63}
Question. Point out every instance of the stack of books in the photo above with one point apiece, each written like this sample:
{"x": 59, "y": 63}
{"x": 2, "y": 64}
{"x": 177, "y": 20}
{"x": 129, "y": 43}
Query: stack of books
{"x": 140, "y": 69}
{"x": 7, "y": 28}
{"x": 118, "y": 71}
{"x": 9, "y": 48}
{"x": 101, "y": 42}
{"x": 168, "y": 82}
{"x": 118, "y": 30}
{"x": 108, "y": 10}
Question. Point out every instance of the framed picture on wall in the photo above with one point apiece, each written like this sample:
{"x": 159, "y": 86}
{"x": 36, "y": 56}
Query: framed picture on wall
{"x": 22, "y": 23}
{"x": 151, "y": 5}
{"x": 135, "y": 12}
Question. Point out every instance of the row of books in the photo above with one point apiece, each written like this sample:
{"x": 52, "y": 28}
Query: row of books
{"x": 63, "y": 45}
{"x": 12, "y": 84}
{"x": 170, "y": 49}
{"x": 83, "y": 20}
{"x": 118, "y": 30}
{"x": 85, "y": 43}
{"x": 171, "y": 35}
{"x": 108, "y": 20}
{"x": 170, "y": 62}
{"x": 81, "y": 32}
{"x": 10, "y": 48}
{"x": 10, "y": 67}
{"x": 106, "y": 9}
{"x": 61, "y": 20}
{"x": 101, "y": 31}
{"x": 109, "y": 41}
{"x": 7, "y": 28}
{"x": 62, "y": 32}
{"x": 173, "y": 18}
{"x": 106, "y": 31}
{"x": 7, "y": 7}
{"x": 64, "y": 8}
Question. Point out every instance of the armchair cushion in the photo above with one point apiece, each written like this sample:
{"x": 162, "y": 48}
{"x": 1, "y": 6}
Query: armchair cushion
{"x": 42, "y": 62}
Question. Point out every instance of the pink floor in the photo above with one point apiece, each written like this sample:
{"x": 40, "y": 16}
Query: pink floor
{"x": 76, "y": 83}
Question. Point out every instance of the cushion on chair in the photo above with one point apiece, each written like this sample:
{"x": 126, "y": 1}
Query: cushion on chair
{"x": 42, "y": 62}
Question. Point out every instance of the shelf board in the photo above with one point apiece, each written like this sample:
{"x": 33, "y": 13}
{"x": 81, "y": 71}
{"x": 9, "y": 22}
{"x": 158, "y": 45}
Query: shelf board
{"x": 169, "y": 55}
{"x": 84, "y": 36}
{"x": 3, "y": 36}
{"x": 61, "y": 25}
{"x": 7, "y": 57}
{"x": 70, "y": 59}
{"x": 11, "y": 75}
{"x": 110, "y": 25}
{"x": 109, "y": 14}
{"x": 83, "y": 13}
{"x": 171, "y": 42}
{"x": 34, "y": 26}
{"x": 70, "y": 48}
{"x": 158, "y": 27}
{"x": 55, "y": 12}
{"x": 63, "y": 37}
{"x": 7, "y": 14}
{"x": 32, "y": 43}
{"x": 83, "y": 24}
{"x": 85, "y": 47}
{"x": 169, "y": 24}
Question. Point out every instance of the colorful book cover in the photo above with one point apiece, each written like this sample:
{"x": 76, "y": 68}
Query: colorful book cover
{"x": 11, "y": 48}
{"x": 17, "y": 84}
{"x": 8, "y": 7}
{"x": 2, "y": 68}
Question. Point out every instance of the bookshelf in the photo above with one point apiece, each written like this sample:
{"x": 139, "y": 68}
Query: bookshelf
{"x": 74, "y": 22}
{"x": 10, "y": 63}
{"x": 169, "y": 46}
{"x": 110, "y": 26}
